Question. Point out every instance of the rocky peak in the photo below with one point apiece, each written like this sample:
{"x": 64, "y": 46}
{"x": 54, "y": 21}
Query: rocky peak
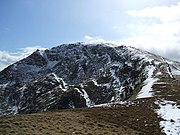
{"x": 75, "y": 75}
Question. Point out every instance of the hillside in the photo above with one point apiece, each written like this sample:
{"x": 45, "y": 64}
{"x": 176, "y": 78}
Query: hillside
{"x": 127, "y": 119}
{"x": 129, "y": 91}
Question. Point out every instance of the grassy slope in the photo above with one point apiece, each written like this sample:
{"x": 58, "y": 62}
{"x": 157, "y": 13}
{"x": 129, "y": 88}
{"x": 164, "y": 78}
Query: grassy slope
{"x": 129, "y": 119}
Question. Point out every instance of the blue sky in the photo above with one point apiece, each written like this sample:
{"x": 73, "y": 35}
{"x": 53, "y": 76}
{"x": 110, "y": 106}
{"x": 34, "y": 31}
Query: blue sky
{"x": 29, "y": 24}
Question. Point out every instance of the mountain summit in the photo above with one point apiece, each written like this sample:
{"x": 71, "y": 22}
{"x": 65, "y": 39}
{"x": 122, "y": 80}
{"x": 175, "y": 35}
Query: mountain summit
{"x": 81, "y": 75}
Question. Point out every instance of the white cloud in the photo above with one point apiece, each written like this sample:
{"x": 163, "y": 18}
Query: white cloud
{"x": 88, "y": 37}
{"x": 91, "y": 39}
{"x": 162, "y": 13}
{"x": 7, "y": 58}
{"x": 157, "y": 30}
{"x": 171, "y": 51}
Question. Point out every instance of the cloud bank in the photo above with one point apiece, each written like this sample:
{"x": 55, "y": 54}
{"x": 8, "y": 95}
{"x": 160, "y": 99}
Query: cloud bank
{"x": 158, "y": 30}
{"x": 171, "y": 52}
{"x": 155, "y": 29}
{"x": 8, "y": 58}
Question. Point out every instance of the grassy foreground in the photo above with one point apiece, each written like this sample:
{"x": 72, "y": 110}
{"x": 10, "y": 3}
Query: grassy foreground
{"x": 132, "y": 118}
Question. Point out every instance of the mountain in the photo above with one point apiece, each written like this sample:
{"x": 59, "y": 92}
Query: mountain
{"x": 80, "y": 75}
{"x": 128, "y": 90}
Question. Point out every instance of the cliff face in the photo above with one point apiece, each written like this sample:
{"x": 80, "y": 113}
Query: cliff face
{"x": 78, "y": 75}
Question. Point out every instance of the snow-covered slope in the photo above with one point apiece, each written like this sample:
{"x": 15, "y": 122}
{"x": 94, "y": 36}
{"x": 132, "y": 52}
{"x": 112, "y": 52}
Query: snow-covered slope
{"x": 170, "y": 113}
{"x": 80, "y": 75}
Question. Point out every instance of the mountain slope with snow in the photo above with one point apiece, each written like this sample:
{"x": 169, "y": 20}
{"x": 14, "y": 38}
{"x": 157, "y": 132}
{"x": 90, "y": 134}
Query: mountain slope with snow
{"x": 90, "y": 74}
{"x": 86, "y": 75}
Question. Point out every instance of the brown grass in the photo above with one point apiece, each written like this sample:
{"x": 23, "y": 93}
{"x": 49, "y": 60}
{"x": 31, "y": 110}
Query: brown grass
{"x": 129, "y": 119}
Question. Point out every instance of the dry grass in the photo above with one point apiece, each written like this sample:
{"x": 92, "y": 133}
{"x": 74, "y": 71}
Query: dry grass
{"x": 129, "y": 119}
{"x": 168, "y": 89}
{"x": 59, "y": 123}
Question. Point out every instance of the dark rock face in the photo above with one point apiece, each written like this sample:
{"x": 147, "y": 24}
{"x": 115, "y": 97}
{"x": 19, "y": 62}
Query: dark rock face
{"x": 71, "y": 76}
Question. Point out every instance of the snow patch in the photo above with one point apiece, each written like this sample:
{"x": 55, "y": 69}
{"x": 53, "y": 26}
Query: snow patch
{"x": 159, "y": 73}
{"x": 148, "y": 83}
{"x": 157, "y": 62}
{"x": 12, "y": 110}
{"x": 114, "y": 104}
{"x": 170, "y": 62}
{"x": 56, "y": 77}
{"x": 107, "y": 85}
{"x": 118, "y": 93}
{"x": 116, "y": 82}
{"x": 175, "y": 72}
{"x": 60, "y": 80}
{"x": 2, "y": 86}
{"x": 95, "y": 82}
{"x": 170, "y": 112}
{"x": 41, "y": 52}
{"x": 148, "y": 59}
{"x": 168, "y": 67}
{"x": 111, "y": 104}
{"x": 86, "y": 97}
{"x": 162, "y": 83}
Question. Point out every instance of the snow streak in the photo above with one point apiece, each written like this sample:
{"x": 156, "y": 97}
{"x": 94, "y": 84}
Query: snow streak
{"x": 147, "y": 88}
